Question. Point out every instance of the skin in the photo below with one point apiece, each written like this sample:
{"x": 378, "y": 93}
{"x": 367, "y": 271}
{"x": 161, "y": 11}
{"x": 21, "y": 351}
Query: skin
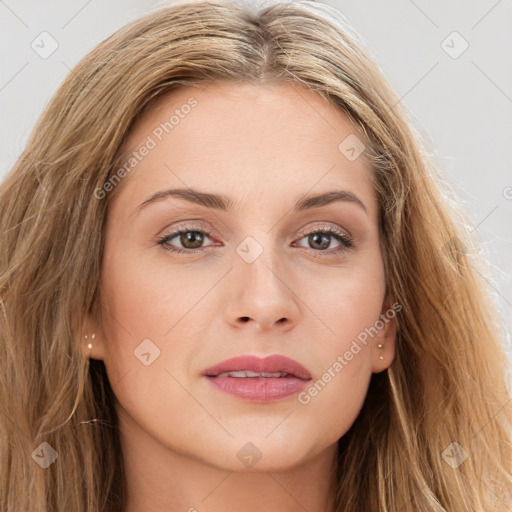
{"x": 264, "y": 147}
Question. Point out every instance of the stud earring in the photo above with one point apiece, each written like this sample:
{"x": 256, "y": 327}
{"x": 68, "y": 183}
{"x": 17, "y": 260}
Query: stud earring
{"x": 89, "y": 346}
{"x": 380, "y": 346}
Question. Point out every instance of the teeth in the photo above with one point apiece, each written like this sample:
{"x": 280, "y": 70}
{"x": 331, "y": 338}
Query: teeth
{"x": 244, "y": 374}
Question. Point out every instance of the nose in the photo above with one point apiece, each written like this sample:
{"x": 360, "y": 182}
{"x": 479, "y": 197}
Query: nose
{"x": 261, "y": 294}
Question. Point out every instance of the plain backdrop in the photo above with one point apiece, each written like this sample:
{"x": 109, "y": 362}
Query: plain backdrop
{"x": 450, "y": 62}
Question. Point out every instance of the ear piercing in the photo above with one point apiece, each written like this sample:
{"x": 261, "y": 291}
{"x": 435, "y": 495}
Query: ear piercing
{"x": 89, "y": 346}
{"x": 380, "y": 346}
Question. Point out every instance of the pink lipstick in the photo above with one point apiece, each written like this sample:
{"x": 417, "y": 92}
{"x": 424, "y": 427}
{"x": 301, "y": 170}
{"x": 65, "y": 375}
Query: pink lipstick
{"x": 259, "y": 380}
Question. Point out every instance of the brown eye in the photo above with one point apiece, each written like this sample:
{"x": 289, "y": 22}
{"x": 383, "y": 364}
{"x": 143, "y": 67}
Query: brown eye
{"x": 189, "y": 240}
{"x": 321, "y": 239}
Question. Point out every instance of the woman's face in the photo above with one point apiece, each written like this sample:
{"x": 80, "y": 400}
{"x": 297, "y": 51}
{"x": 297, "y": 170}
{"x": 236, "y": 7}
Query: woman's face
{"x": 261, "y": 277}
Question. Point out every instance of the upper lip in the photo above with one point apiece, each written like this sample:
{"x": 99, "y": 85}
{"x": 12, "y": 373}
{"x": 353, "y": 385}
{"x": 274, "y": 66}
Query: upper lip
{"x": 270, "y": 364}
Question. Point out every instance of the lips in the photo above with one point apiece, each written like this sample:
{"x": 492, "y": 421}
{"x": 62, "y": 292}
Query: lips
{"x": 252, "y": 364}
{"x": 257, "y": 380}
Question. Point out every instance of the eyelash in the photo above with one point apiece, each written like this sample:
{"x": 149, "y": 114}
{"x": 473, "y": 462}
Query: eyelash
{"x": 346, "y": 241}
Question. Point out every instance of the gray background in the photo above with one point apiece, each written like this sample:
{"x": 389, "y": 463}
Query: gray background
{"x": 461, "y": 105}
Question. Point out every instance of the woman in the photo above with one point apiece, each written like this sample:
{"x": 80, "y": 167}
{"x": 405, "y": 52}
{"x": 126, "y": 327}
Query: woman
{"x": 229, "y": 281}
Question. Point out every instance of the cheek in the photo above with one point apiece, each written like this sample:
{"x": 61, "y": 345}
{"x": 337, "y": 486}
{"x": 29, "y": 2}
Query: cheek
{"x": 337, "y": 395}
{"x": 348, "y": 308}
{"x": 142, "y": 310}
{"x": 142, "y": 302}
{"x": 146, "y": 300}
{"x": 346, "y": 302}
{"x": 337, "y": 392}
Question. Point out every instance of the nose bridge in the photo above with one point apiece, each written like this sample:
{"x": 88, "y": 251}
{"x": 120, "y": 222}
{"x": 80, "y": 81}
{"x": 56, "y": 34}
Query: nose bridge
{"x": 258, "y": 260}
{"x": 260, "y": 290}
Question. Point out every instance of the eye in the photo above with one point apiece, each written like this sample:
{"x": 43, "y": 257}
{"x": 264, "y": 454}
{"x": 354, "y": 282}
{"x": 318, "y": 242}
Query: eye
{"x": 192, "y": 237}
{"x": 321, "y": 237}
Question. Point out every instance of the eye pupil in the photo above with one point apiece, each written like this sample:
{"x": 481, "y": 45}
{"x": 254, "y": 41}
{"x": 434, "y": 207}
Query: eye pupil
{"x": 319, "y": 238}
{"x": 194, "y": 237}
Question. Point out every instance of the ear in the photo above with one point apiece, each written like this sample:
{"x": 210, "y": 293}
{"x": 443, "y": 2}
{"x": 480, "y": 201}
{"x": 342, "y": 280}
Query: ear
{"x": 383, "y": 344}
{"x": 93, "y": 339}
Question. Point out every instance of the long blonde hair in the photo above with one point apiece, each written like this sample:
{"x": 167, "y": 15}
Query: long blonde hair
{"x": 444, "y": 397}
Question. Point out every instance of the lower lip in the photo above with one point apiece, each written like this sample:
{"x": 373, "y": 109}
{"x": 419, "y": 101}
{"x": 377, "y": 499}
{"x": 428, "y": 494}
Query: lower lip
{"x": 259, "y": 389}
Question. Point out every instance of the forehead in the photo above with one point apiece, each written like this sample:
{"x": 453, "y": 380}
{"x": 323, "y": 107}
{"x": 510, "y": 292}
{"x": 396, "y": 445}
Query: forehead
{"x": 245, "y": 140}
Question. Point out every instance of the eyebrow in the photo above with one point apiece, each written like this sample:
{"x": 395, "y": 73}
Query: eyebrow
{"x": 224, "y": 203}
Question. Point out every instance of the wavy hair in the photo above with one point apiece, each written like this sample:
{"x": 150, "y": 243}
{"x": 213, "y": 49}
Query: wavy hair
{"x": 448, "y": 381}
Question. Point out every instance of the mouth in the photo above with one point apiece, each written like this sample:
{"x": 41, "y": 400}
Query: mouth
{"x": 259, "y": 380}
{"x": 249, "y": 366}
{"x": 251, "y": 375}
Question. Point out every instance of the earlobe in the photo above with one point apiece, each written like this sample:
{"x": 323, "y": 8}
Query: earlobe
{"x": 89, "y": 340}
{"x": 384, "y": 343}
{"x": 383, "y": 354}
{"x": 93, "y": 341}
{"x": 93, "y": 347}
{"x": 380, "y": 345}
